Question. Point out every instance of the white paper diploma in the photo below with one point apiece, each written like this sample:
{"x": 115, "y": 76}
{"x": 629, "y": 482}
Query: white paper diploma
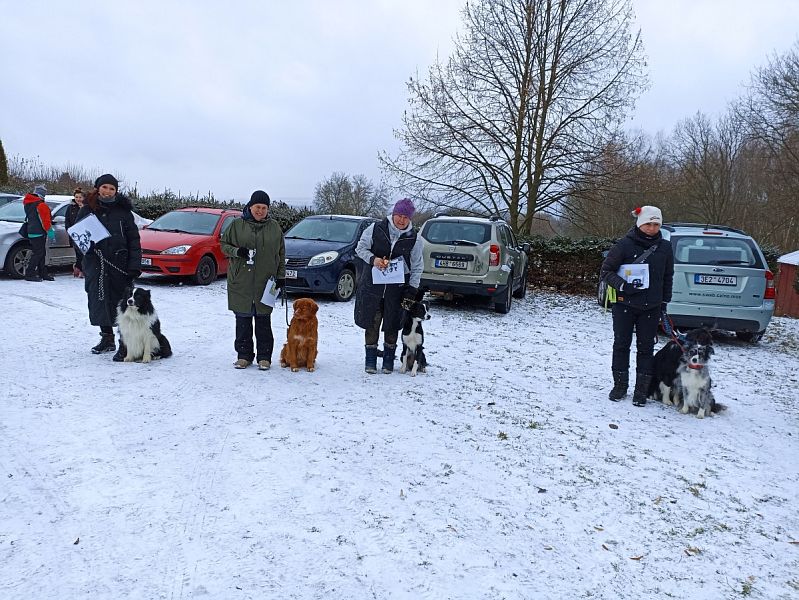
{"x": 636, "y": 272}
{"x": 87, "y": 230}
{"x": 393, "y": 273}
{"x": 270, "y": 293}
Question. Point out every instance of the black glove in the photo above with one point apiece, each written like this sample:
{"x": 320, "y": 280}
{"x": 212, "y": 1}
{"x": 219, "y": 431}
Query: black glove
{"x": 134, "y": 274}
{"x": 629, "y": 289}
{"x": 243, "y": 253}
{"x": 280, "y": 282}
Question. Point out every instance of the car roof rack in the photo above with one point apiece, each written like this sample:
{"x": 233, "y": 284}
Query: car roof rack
{"x": 671, "y": 226}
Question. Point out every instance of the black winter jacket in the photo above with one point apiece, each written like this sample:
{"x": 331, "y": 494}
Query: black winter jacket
{"x": 661, "y": 269}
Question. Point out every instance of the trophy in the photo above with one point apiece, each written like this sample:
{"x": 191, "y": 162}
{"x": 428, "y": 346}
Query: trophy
{"x": 251, "y": 259}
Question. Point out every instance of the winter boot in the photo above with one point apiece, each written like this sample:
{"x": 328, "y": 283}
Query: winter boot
{"x": 106, "y": 344}
{"x": 621, "y": 379}
{"x": 389, "y": 352}
{"x": 642, "y": 381}
{"x": 371, "y": 359}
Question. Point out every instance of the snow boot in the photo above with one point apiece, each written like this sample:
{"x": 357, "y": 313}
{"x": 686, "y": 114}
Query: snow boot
{"x": 621, "y": 379}
{"x": 106, "y": 344}
{"x": 389, "y": 352}
{"x": 371, "y": 359}
{"x": 642, "y": 381}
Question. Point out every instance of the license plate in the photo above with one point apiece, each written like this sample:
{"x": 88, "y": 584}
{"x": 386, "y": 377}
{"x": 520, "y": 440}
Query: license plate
{"x": 451, "y": 264}
{"x": 291, "y": 274}
{"x": 147, "y": 262}
{"x": 716, "y": 279}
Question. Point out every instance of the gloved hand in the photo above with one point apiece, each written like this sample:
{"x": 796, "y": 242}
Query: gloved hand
{"x": 409, "y": 293}
{"x": 280, "y": 283}
{"x": 134, "y": 274}
{"x": 243, "y": 253}
{"x": 628, "y": 289}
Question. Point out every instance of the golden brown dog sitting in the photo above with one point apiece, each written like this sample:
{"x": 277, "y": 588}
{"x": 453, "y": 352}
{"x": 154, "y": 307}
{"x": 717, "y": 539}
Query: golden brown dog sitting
{"x": 302, "y": 336}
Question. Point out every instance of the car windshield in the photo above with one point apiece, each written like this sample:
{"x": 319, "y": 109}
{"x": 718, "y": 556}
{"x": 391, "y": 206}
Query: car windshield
{"x": 457, "y": 234}
{"x": 328, "y": 230}
{"x": 706, "y": 250}
{"x": 13, "y": 211}
{"x": 182, "y": 221}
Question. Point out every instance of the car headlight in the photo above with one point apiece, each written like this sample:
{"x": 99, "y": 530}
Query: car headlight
{"x": 323, "y": 259}
{"x": 177, "y": 250}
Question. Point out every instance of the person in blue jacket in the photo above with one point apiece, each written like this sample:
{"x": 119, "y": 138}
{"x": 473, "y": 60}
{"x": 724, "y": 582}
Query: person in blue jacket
{"x": 638, "y": 307}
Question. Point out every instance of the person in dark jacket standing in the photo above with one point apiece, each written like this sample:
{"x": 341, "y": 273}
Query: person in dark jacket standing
{"x": 257, "y": 252}
{"x": 71, "y": 218}
{"x": 113, "y": 263}
{"x": 640, "y": 299}
{"x": 391, "y": 243}
{"x": 40, "y": 227}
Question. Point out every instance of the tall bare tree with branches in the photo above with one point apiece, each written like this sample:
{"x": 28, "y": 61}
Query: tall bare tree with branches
{"x": 345, "y": 195}
{"x": 532, "y": 93}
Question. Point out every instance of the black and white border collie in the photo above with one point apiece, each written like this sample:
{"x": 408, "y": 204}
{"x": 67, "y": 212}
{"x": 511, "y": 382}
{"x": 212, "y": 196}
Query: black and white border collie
{"x": 413, "y": 358}
{"x": 693, "y": 380}
{"x": 139, "y": 328}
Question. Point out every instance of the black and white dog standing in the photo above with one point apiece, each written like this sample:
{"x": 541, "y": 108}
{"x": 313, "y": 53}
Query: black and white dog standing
{"x": 413, "y": 358}
{"x": 664, "y": 385}
{"x": 139, "y": 328}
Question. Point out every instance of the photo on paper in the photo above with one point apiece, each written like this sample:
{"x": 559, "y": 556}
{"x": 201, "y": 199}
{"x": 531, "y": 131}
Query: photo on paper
{"x": 87, "y": 230}
{"x": 636, "y": 274}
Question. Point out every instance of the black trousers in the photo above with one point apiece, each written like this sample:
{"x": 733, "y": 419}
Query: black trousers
{"x": 627, "y": 319}
{"x": 38, "y": 255}
{"x": 372, "y": 334}
{"x": 264, "y": 340}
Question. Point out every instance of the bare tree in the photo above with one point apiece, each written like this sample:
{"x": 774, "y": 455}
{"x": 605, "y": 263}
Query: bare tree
{"x": 531, "y": 94}
{"x": 345, "y": 195}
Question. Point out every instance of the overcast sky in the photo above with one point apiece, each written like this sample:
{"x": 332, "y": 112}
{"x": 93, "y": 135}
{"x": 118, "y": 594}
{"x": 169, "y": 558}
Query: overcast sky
{"x": 239, "y": 95}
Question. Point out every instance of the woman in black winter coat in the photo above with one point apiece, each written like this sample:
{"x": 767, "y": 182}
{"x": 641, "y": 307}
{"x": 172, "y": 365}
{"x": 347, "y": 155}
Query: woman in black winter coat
{"x": 638, "y": 306}
{"x": 111, "y": 264}
{"x": 71, "y": 218}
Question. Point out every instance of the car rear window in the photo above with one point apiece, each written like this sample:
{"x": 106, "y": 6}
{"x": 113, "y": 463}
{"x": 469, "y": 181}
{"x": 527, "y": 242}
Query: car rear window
{"x": 707, "y": 250}
{"x": 452, "y": 232}
{"x": 198, "y": 223}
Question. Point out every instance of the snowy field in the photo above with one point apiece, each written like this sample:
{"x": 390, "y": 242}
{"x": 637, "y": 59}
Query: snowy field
{"x": 504, "y": 472}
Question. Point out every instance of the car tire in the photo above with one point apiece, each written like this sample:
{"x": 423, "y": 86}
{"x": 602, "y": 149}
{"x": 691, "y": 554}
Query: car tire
{"x": 750, "y": 336}
{"x": 206, "y": 271}
{"x": 345, "y": 286}
{"x": 503, "y": 307}
{"x": 17, "y": 259}
{"x": 522, "y": 291}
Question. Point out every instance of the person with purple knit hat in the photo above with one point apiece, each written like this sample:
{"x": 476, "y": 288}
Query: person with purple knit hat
{"x": 378, "y": 306}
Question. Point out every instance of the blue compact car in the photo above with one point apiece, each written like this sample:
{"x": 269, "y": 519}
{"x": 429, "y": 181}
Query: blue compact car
{"x": 320, "y": 255}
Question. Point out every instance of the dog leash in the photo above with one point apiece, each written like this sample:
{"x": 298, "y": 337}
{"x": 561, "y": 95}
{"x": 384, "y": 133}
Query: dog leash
{"x": 668, "y": 327}
{"x": 284, "y": 303}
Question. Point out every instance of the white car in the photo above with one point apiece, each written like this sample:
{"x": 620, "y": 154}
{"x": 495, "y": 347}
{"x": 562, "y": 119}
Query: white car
{"x": 15, "y": 250}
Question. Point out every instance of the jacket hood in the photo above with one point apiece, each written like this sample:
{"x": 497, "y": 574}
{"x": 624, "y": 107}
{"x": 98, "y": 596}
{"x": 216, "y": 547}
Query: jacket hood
{"x": 29, "y": 198}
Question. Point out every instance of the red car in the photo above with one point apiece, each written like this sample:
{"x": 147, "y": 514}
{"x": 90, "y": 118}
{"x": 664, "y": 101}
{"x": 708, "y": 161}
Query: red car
{"x": 186, "y": 242}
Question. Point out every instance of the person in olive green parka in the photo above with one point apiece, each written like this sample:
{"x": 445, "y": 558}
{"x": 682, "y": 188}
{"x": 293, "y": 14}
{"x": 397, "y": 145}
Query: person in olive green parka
{"x": 256, "y": 251}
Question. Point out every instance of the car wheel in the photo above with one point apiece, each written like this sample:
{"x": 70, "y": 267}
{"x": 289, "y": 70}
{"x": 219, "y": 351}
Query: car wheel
{"x": 345, "y": 286}
{"x": 206, "y": 271}
{"x": 503, "y": 307}
{"x": 749, "y": 336}
{"x": 522, "y": 291}
{"x": 17, "y": 260}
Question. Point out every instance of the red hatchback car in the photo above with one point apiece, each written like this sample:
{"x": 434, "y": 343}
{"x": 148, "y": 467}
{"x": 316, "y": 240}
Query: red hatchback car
{"x": 185, "y": 242}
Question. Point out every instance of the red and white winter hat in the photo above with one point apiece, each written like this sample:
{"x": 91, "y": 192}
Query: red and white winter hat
{"x": 647, "y": 214}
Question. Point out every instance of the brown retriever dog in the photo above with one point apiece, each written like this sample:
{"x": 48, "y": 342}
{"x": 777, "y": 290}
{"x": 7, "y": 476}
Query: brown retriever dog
{"x": 302, "y": 336}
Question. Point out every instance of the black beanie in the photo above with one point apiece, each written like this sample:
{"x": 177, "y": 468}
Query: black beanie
{"x": 258, "y": 197}
{"x": 107, "y": 178}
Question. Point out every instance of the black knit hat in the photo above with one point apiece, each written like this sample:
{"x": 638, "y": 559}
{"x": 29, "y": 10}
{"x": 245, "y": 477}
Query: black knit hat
{"x": 107, "y": 178}
{"x": 259, "y": 197}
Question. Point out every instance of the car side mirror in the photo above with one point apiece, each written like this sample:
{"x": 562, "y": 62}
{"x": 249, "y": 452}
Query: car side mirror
{"x": 526, "y": 247}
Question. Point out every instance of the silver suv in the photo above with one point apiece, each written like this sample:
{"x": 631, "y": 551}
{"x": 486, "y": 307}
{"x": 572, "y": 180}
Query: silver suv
{"x": 721, "y": 280}
{"x": 474, "y": 256}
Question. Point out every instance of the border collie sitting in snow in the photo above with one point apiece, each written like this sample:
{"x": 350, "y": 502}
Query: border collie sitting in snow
{"x": 139, "y": 328}
{"x": 693, "y": 380}
{"x": 413, "y": 358}
{"x": 666, "y": 362}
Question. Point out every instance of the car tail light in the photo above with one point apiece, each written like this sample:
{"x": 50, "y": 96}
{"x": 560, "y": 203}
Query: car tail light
{"x": 771, "y": 291}
{"x": 493, "y": 256}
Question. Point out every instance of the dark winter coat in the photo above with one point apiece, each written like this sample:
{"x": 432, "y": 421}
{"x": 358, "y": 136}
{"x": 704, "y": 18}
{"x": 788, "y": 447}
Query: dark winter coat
{"x": 661, "y": 269}
{"x": 368, "y": 295}
{"x": 110, "y": 264}
{"x": 246, "y": 283}
{"x": 37, "y": 215}
{"x": 71, "y": 218}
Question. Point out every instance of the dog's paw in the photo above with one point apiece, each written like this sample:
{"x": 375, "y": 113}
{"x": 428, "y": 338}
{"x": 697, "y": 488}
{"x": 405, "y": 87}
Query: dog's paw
{"x": 684, "y": 409}
{"x": 700, "y": 414}
{"x": 667, "y": 402}
{"x": 129, "y": 358}
{"x": 283, "y": 364}
{"x": 146, "y": 359}
{"x": 311, "y": 369}
{"x": 294, "y": 369}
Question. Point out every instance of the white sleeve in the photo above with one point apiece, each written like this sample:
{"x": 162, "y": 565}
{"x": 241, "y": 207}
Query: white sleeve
{"x": 364, "y": 247}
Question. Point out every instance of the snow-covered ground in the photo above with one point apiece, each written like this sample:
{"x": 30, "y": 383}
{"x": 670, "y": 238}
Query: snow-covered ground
{"x": 504, "y": 472}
